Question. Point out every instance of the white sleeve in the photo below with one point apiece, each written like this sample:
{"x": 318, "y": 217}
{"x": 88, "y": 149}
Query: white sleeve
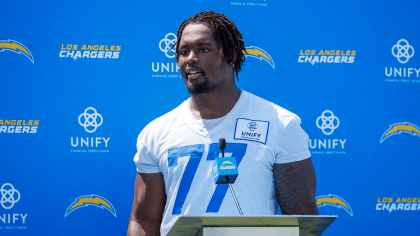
{"x": 145, "y": 160}
{"x": 292, "y": 143}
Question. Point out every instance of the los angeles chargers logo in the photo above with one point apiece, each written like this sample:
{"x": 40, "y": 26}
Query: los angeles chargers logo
{"x": 259, "y": 54}
{"x": 91, "y": 200}
{"x": 398, "y": 128}
{"x": 227, "y": 165}
{"x": 16, "y": 47}
{"x": 335, "y": 201}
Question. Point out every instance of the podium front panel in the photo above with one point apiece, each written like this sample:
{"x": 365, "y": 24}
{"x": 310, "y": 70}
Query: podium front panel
{"x": 307, "y": 225}
{"x": 249, "y": 231}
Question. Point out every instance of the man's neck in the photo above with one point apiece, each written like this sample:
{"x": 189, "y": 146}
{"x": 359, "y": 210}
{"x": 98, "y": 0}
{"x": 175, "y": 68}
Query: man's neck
{"x": 214, "y": 105}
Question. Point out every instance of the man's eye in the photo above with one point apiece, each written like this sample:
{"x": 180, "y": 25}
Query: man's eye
{"x": 204, "y": 50}
{"x": 184, "y": 52}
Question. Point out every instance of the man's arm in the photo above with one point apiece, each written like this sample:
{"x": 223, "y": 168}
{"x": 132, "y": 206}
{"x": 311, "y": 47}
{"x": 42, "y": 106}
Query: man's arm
{"x": 148, "y": 206}
{"x": 295, "y": 186}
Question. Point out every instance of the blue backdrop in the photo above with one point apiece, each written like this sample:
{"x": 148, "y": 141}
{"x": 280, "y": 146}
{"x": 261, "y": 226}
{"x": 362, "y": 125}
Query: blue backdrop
{"x": 79, "y": 81}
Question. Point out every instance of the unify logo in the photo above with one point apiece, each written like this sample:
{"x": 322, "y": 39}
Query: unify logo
{"x": 399, "y": 128}
{"x": 16, "y": 47}
{"x": 403, "y": 51}
{"x": 328, "y": 123}
{"x": 90, "y": 51}
{"x": 91, "y": 200}
{"x": 326, "y": 56}
{"x": 10, "y": 196}
{"x": 252, "y": 126}
{"x": 168, "y": 42}
{"x": 401, "y": 204}
{"x": 244, "y": 126}
{"x": 90, "y": 120}
{"x": 334, "y": 201}
{"x": 163, "y": 68}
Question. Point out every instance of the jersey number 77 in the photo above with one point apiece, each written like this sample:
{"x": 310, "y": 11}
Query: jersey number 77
{"x": 196, "y": 153}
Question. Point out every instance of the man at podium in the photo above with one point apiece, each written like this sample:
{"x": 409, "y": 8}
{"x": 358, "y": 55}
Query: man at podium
{"x": 176, "y": 152}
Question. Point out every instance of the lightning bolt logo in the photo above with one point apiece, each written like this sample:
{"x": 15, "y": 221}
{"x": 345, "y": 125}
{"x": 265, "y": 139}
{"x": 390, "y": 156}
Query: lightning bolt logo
{"x": 91, "y": 200}
{"x": 16, "y": 47}
{"x": 335, "y": 201}
{"x": 259, "y": 53}
{"x": 398, "y": 128}
{"x": 227, "y": 163}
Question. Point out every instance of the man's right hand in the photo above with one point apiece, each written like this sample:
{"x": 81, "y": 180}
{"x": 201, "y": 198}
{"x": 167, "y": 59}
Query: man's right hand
{"x": 148, "y": 206}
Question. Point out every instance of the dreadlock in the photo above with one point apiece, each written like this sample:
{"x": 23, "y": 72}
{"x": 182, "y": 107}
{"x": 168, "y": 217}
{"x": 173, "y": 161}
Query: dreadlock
{"x": 226, "y": 34}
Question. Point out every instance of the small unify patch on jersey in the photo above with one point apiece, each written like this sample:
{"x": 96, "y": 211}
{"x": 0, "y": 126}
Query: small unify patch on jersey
{"x": 252, "y": 130}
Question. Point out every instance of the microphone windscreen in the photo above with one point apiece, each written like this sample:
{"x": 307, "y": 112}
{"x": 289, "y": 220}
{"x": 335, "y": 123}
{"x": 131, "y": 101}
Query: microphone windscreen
{"x": 222, "y": 143}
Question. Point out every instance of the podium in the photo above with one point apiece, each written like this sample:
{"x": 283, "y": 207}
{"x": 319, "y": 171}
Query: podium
{"x": 278, "y": 225}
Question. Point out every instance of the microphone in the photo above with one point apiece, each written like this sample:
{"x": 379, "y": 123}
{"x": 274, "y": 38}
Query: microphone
{"x": 222, "y": 146}
{"x": 225, "y": 170}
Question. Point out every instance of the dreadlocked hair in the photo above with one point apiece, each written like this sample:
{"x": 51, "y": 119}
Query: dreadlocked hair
{"x": 225, "y": 33}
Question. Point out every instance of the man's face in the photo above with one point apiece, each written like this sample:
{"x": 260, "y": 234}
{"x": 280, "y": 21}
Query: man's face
{"x": 200, "y": 60}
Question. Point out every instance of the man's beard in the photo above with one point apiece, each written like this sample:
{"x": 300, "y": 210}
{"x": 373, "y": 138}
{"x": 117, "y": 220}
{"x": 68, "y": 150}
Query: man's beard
{"x": 203, "y": 87}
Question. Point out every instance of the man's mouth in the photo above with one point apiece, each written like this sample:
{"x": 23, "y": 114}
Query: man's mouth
{"x": 193, "y": 74}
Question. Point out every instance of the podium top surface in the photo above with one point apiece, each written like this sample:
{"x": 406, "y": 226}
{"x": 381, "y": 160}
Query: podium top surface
{"x": 308, "y": 225}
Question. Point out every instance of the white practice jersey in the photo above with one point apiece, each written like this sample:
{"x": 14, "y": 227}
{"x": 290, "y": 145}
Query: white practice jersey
{"x": 258, "y": 134}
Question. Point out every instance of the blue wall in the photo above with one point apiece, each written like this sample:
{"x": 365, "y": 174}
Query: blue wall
{"x": 360, "y": 110}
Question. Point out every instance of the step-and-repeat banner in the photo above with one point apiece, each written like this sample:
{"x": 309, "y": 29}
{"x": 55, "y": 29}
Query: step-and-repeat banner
{"x": 79, "y": 81}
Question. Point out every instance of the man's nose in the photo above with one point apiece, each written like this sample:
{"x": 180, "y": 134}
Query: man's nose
{"x": 192, "y": 57}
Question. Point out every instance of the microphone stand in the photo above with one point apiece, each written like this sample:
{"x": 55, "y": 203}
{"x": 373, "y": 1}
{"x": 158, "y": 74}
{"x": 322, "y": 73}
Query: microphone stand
{"x": 234, "y": 197}
{"x": 222, "y": 146}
